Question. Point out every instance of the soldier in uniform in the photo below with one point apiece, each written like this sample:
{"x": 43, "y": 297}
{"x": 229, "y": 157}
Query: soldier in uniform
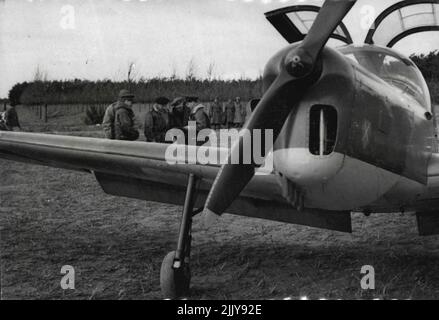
{"x": 109, "y": 117}
{"x": 179, "y": 113}
{"x": 157, "y": 121}
{"x": 124, "y": 128}
{"x": 9, "y": 119}
{"x": 240, "y": 113}
{"x": 3, "y": 126}
{"x": 216, "y": 114}
{"x": 229, "y": 114}
{"x": 199, "y": 116}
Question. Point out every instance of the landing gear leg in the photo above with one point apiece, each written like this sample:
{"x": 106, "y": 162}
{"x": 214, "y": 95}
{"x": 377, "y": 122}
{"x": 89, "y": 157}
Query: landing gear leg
{"x": 175, "y": 273}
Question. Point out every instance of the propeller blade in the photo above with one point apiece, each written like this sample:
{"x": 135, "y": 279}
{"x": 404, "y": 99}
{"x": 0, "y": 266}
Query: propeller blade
{"x": 271, "y": 112}
{"x": 330, "y": 15}
{"x": 298, "y": 71}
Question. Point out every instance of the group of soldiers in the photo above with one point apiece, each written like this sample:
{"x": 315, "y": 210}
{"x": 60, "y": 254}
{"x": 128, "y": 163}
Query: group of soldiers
{"x": 9, "y": 119}
{"x": 119, "y": 122}
{"x": 231, "y": 114}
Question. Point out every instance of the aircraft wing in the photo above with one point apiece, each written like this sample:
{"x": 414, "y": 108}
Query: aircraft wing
{"x": 140, "y": 170}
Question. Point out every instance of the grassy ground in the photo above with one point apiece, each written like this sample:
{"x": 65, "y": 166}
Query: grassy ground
{"x": 51, "y": 217}
{"x": 116, "y": 246}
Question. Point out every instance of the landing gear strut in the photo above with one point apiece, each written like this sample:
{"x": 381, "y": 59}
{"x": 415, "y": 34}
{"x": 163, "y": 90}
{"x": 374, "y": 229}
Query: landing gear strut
{"x": 175, "y": 274}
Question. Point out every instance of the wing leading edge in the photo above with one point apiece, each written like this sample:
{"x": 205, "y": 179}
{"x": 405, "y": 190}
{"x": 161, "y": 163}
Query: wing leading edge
{"x": 140, "y": 170}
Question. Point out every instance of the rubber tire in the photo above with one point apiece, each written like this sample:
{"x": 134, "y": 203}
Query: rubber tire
{"x": 174, "y": 283}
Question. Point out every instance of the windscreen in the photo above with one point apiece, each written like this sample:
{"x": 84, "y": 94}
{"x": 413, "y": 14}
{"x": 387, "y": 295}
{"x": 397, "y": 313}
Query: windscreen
{"x": 396, "y": 70}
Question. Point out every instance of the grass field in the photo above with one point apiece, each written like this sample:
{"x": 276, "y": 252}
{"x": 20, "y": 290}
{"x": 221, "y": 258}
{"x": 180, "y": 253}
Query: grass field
{"x": 67, "y": 119}
{"x": 51, "y": 217}
{"x": 116, "y": 246}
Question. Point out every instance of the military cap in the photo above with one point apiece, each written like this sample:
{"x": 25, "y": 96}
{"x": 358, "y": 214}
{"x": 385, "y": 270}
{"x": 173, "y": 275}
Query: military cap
{"x": 124, "y": 93}
{"x": 162, "y": 101}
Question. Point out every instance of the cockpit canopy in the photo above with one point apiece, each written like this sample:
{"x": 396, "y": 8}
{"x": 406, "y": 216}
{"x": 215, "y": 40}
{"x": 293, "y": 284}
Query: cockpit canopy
{"x": 393, "y": 68}
{"x": 392, "y": 25}
{"x": 403, "y": 19}
{"x": 294, "y": 23}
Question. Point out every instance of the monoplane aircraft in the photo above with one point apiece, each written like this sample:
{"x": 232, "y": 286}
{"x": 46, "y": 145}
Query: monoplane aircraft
{"x": 352, "y": 125}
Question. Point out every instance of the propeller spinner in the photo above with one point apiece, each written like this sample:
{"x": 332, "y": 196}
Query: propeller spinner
{"x": 297, "y": 71}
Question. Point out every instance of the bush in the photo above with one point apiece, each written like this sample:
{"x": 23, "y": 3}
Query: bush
{"x": 16, "y": 92}
{"x": 94, "y": 115}
{"x": 428, "y": 64}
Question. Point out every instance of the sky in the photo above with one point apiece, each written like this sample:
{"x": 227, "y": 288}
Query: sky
{"x": 98, "y": 39}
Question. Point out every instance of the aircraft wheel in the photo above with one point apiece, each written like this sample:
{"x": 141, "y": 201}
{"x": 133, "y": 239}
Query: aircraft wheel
{"x": 174, "y": 282}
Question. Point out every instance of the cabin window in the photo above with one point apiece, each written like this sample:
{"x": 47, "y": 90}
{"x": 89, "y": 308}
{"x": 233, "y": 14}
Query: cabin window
{"x": 322, "y": 130}
{"x": 398, "y": 71}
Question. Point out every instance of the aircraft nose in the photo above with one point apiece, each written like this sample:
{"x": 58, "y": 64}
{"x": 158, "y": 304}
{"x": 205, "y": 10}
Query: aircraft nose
{"x": 303, "y": 168}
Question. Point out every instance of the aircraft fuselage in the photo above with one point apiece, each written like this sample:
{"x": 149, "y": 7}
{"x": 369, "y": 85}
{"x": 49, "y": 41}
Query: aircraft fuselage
{"x": 358, "y": 140}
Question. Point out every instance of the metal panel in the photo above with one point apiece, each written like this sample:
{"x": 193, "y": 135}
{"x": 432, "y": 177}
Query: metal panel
{"x": 243, "y": 206}
{"x": 401, "y": 148}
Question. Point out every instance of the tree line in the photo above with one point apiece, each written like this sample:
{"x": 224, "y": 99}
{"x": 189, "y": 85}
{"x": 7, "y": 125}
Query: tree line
{"x": 77, "y": 91}
{"x": 88, "y": 92}
{"x": 429, "y": 66}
